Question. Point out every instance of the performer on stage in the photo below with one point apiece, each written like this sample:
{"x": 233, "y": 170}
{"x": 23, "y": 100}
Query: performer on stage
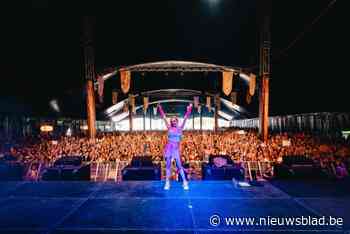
{"x": 172, "y": 148}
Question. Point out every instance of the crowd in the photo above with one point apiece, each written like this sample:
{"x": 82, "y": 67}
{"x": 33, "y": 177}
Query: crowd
{"x": 331, "y": 154}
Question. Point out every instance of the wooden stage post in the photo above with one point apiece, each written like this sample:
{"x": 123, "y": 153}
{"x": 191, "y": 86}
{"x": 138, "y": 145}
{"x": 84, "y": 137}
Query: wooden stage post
{"x": 264, "y": 108}
{"x": 130, "y": 119}
{"x": 265, "y": 45}
{"x": 91, "y": 110}
{"x": 89, "y": 65}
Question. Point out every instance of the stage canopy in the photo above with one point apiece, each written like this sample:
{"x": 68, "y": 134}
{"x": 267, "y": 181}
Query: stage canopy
{"x": 176, "y": 66}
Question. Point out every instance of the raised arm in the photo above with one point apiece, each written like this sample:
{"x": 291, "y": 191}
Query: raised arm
{"x": 162, "y": 114}
{"x": 188, "y": 113}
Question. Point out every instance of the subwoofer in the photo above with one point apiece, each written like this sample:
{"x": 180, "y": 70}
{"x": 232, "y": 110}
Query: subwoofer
{"x": 11, "y": 171}
{"x": 68, "y": 168}
{"x": 141, "y": 168}
{"x": 296, "y": 166}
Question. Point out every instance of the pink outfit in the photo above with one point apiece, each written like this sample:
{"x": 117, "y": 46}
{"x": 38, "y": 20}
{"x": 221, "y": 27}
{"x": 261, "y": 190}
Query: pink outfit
{"x": 172, "y": 148}
{"x": 172, "y": 151}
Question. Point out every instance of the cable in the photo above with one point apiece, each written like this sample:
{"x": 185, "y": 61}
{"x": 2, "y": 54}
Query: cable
{"x": 307, "y": 28}
{"x": 299, "y": 36}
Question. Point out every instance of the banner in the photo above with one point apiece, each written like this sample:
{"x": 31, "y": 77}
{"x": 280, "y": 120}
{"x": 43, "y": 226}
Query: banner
{"x": 234, "y": 98}
{"x": 125, "y": 77}
{"x": 100, "y": 82}
{"x": 195, "y": 101}
{"x": 227, "y": 77}
{"x": 145, "y": 104}
{"x": 208, "y": 103}
{"x": 252, "y": 84}
{"x": 132, "y": 103}
{"x": 114, "y": 97}
{"x": 217, "y": 102}
{"x": 248, "y": 98}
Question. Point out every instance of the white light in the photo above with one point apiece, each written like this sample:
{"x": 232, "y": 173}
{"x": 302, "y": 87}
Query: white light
{"x": 212, "y": 2}
{"x": 213, "y": 6}
{"x": 54, "y": 105}
{"x": 232, "y": 107}
{"x": 69, "y": 132}
{"x": 121, "y": 123}
{"x": 243, "y": 184}
{"x": 223, "y": 123}
{"x": 84, "y": 127}
{"x": 115, "y": 108}
{"x": 119, "y": 117}
{"x": 245, "y": 77}
{"x": 46, "y": 128}
{"x": 225, "y": 115}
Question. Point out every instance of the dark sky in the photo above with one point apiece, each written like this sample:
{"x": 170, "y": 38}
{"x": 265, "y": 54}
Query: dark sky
{"x": 41, "y": 55}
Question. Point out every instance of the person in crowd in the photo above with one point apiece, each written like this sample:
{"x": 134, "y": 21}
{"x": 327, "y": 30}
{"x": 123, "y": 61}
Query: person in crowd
{"x": 195, "y": 146}
{"x": 268, "y": 174}
{"x": 33, "y": 172}
{"x": 340, "y": 170}
{"x": 11, "y": 155}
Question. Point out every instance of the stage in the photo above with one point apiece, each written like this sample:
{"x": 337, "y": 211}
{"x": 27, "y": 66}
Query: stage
{"x": 144, "y": 207}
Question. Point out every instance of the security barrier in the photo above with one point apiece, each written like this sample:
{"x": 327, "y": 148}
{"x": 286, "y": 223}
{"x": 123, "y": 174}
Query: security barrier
{"x": 112, "y": 171}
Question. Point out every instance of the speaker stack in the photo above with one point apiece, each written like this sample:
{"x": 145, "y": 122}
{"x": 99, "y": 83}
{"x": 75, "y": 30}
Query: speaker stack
{"x": 11, "y": 171}
{"x": 68, "y": 168}
{"x": 141, "y": 168}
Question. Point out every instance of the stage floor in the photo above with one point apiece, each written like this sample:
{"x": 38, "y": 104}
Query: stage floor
{"x": 144, "y": 207}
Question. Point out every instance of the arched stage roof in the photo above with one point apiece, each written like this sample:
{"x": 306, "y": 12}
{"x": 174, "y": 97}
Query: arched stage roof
{"x": 171, "y": 93}
{"x": 177, "y": 66}
{"x": 116, "y": 113}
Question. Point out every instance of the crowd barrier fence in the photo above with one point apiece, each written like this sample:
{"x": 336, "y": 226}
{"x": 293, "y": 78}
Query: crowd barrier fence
{"x": 112, "y": 171}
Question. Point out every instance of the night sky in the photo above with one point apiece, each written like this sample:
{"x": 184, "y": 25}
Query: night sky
{"x": 41, "y": 54}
